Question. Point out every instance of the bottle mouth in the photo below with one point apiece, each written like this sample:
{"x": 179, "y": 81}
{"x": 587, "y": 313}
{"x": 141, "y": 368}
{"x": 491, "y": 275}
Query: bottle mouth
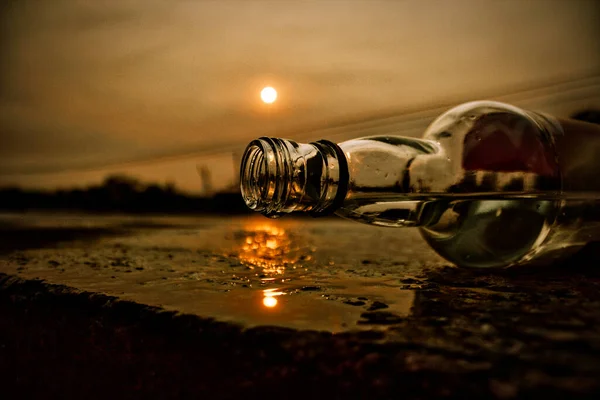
{"x": 254, "y": 176}
{"x": 280, "y": 176}
{"x": 262, "y": 172}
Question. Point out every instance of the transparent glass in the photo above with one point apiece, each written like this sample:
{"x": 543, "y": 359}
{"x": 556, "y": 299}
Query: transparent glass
{"x": 489, "y": 185}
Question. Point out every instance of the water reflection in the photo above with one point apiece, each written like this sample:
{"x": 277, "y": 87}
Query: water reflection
{"x": 268, "y": 247}
{"x": 327, "y": 296}
{"x": 270, "y": 297}
{"x": 269, "y": 301}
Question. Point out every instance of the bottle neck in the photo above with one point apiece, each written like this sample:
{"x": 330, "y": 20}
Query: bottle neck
{"x": 279, "y": 176}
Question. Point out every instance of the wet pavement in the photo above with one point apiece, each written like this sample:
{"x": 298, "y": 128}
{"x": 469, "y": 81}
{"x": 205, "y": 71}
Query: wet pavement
{"x": 241, "y": 306}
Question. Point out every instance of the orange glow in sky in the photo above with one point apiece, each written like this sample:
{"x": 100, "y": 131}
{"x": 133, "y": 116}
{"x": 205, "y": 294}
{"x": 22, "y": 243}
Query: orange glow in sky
{"x": 148, "y": 88}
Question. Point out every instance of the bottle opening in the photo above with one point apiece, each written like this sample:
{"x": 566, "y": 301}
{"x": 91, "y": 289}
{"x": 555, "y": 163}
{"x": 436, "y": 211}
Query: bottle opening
{"x": 281, "y": 176}
{"x": 265, "y": 175}
{"x": 254, "y": 178}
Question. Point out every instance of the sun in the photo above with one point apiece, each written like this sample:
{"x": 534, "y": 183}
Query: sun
{"x": 268, "y": 95}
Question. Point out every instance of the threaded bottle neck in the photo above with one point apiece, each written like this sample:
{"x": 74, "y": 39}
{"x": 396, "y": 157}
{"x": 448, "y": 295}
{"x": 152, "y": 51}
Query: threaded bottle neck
{"x": 280, "y": 176}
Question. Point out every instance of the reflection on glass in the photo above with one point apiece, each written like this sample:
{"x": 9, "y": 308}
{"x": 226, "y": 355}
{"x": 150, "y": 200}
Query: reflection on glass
{"x": 268, "y": 247}
{"x": 270, "y": 299}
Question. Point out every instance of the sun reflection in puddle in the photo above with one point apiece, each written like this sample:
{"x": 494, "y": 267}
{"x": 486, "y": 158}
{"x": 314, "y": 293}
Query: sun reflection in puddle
{"x": 284, "y": 292}
{"x": 270, "y": 297}
{"x": 269, "y": 302}
{"x": 268, "y": 247}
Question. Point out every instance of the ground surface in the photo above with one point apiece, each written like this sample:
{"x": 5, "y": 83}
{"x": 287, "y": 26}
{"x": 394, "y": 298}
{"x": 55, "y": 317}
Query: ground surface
{"x": 133, "y": 307}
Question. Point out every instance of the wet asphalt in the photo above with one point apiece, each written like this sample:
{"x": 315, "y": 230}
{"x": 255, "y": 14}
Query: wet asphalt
{"x": 245, "y": 307}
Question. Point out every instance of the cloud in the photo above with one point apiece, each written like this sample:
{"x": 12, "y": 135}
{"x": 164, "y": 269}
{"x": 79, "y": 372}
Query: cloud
{"x": 91, "y": 81}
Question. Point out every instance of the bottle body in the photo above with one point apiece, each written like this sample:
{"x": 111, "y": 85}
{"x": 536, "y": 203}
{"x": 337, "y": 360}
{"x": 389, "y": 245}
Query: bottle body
{"x": 488, "y": 185}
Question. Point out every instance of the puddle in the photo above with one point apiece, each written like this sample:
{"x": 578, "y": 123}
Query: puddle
{"x": 327, "y": 309}
{"x": 244, "y": 270}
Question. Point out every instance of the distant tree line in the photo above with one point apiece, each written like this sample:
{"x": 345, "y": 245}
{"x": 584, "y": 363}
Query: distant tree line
{"x": 119, "y": 193}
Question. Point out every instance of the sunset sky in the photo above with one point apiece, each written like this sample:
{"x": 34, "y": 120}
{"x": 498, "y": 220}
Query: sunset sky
{"x": 89, "y": 85}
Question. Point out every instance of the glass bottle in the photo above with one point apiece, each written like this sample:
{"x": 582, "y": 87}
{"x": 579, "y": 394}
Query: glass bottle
{"x": 489, "y": 185}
